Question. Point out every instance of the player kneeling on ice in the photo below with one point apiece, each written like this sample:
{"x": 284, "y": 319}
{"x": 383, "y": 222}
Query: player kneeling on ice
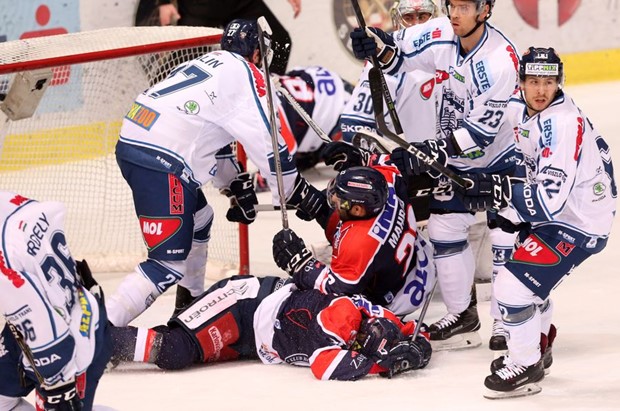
{"x": 377, "y": 251}
{"x": 56, "y": 339}
{"x": 339, "y": 337}
{"x": 562, "y": 208}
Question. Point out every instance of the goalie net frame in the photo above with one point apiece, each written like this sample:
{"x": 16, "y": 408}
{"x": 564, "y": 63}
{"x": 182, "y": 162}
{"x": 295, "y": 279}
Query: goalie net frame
{"x": 125, "y": 43}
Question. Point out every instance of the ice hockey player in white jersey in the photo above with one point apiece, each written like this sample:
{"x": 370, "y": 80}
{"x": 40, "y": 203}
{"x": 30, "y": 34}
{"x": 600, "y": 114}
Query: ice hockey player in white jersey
{"x": 562, "y": 206}
{"x": 322, "y": 94}
{"x": 481, "y": 66}
{"x": 56, "y": 340}
{"x": 174, "y": 140}
{"x": 414, "y": 92}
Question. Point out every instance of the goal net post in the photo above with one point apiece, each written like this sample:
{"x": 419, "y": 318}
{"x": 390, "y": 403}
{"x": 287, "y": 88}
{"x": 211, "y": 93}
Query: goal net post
{"x": 63, "y": 101}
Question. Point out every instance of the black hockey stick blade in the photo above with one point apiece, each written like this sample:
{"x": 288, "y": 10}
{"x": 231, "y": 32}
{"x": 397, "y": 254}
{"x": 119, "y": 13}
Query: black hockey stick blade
{"x": 375, "y": 62}
{"x": 374, "y": 80}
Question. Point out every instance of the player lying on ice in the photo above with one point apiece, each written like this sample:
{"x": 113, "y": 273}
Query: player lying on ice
{"x": 243, "y": 317}
{"x": 561, "y": 207}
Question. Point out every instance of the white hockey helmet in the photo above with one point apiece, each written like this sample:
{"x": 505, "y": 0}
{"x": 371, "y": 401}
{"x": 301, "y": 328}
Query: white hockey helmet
{"x": 401, "y": 8}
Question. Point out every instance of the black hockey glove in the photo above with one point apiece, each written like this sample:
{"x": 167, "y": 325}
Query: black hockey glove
{"x": 406, "y": 355}
{"x": 60, "y": 398}
{"x": 343, "y": 155}
{"x": 309, "y": 201}
{"x": 289, "y": 251}
{"x": 88, "y": 281}
{"x": 431, "y": 150}
{"x": 373, "y": 42}
{"x": 243, "y": 199}
{"x": 487, "y": 192}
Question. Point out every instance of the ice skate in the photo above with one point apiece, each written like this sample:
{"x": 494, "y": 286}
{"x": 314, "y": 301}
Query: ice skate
{"x": 513, "y": 380}
{"x": 456, "y": 331}
{"x": 497, "y": 342}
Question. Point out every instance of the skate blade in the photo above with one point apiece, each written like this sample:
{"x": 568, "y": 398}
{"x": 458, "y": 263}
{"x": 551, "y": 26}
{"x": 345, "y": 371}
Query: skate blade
{"x": 458, "y": 342}
{"x": 527, "y": 389}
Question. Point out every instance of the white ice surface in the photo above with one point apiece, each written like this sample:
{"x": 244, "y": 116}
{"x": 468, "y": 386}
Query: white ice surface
{"x": 585, "y": 374}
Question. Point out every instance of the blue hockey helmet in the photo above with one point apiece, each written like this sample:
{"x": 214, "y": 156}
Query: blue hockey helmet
{"x": 541, "y": 62}
{"x": 240, "y": 36}
{"x": 363, "y": 186}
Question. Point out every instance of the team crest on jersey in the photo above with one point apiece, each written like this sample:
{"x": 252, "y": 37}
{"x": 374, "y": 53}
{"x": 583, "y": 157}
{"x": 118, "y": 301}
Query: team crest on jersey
{"x": 142, "y": 115}
{"x": 156, "y": 231}
{"x": 565, "y": 248}
{"x": 535, "y": 251}
{"x": 3, "y": 350}
{"x": 18, "y": 200}
{"x": 426, "y": 89}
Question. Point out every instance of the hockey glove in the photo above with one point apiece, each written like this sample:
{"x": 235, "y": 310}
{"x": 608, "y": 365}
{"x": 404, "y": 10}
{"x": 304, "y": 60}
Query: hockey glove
{"x": 309, "y": 201}
{"x": 431, "y": 150}
{"x": 343, "y": 155}
{"x": 243, "y": 199}
{"x": 487, "y": 192}
{"x": 289, "y": 251}
{"x": 373, "y": 42}
{"x": 59, "y": 398}
{"x": 405, "y": 356}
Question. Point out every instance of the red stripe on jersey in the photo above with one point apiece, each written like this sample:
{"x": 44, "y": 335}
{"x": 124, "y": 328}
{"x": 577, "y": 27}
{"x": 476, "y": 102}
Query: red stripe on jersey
{"x": 326, "y": 360}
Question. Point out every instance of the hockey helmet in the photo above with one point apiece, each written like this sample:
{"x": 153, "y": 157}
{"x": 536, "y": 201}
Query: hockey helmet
{"x": 403, "y": 7}
{"x": 479, "y": 5}
{"x": 363, "y": 186}
{"x": 376, "y": 335}
{"x": 541, "y": 62}
{"x": 240, "y": 36}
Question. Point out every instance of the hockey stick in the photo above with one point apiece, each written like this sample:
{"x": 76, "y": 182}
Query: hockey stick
{"x": 381, "y": 78}
{"x": 302, "y": 113}
{"x": 264, "y": 36}
{"x": 427, "y": 302}
{"x": 374, "y": 79}
{"x": 26, "y": 350}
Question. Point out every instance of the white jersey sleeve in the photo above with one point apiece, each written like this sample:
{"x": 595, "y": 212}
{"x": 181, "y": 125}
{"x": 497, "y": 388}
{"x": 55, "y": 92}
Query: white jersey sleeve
{"x": 40, "y": 293}
{"x": 201, "y": 107}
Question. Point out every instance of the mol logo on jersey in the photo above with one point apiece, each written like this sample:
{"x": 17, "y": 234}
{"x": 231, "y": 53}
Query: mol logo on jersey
{"x": 155, "y": 231}
{"x": 534, "y": 251}
{"x": 426, "y": 89}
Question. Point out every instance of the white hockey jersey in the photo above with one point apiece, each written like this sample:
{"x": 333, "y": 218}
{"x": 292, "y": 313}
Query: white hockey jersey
{"x": 179, "y": 124}
{"x": 40, "y": 293}
{"x": 322, "y": 94}
{"x": 475, "y": 93}
{"x": 568, "y": 171}
{"x": 415, "y": 98}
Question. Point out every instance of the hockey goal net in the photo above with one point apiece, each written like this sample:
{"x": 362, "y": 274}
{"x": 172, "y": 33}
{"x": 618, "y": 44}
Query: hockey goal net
{"x": 60, "y": 125}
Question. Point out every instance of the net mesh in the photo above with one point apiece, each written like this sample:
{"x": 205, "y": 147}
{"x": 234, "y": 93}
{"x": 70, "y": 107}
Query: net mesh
{"x": 65, "y": 151}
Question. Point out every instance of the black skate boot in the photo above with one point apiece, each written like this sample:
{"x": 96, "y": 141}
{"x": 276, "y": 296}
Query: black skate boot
{"x": 513, "y": 380}
{"x": 183, "y": 300}
{"x": 497, "y": 342}
{"x": 457, "y": 331}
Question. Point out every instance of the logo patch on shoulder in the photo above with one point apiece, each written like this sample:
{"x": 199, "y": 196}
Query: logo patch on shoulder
{"x": 156, "y": 231}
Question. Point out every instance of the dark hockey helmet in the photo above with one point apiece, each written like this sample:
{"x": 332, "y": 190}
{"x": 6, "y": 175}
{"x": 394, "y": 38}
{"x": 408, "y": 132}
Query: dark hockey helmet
{"x": 362, "y": 186}
{"x": 479, "y": 5}
{"x": 541, "y": 62}
{"x": 240, "y": 36}
{"x": 376, "y": 334}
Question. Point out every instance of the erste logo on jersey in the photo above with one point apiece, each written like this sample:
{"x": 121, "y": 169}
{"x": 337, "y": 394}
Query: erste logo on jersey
{"x": 155, "y": 231}
{"x": 11, "y": 274}
{"x": 534, "y": 251}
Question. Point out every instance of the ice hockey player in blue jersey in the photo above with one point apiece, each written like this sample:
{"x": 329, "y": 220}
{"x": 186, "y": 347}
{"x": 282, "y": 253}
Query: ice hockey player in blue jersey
{"x": 56, "y": 339}
{"x": 562, "y": 205}
{"x": 174, "y": 140}
{"x": 338, "y": 337}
